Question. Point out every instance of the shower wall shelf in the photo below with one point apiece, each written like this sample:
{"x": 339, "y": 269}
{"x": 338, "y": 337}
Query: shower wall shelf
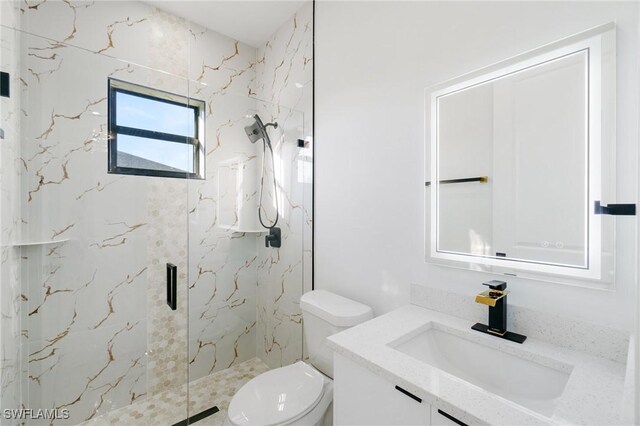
{"x": 39, "y": 243}
{"x": 481, "y": 179}
{"x": 237, "y": 230}
{"x": 237, "y": 195}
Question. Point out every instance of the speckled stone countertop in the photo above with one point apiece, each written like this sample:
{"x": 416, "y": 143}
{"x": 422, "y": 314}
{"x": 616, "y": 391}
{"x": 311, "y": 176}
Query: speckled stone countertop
{"x": 593, "y": 394}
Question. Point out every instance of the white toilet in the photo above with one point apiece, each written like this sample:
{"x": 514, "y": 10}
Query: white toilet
{"x": 301, "y": 393}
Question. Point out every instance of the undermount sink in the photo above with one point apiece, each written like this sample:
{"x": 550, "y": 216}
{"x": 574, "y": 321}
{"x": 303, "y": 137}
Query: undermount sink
{"x": 532, "y": 385}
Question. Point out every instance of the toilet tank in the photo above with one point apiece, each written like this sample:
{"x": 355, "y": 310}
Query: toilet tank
{"x": 324, "y": 314}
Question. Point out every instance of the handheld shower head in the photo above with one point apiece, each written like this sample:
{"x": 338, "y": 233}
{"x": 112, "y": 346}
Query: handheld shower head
{"x": 258, "y": 130}
{"x": 255, "y": 131}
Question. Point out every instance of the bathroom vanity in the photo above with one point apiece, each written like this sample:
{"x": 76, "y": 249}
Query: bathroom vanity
{"x": 417, "y": 366}
{"x": 519, "y": 162}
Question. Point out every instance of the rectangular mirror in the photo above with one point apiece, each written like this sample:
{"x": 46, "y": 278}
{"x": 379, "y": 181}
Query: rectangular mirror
{"x": 516, "y": 159}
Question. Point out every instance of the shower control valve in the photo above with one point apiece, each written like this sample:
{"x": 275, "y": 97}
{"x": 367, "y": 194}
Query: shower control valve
{"x": 274, "y": 238}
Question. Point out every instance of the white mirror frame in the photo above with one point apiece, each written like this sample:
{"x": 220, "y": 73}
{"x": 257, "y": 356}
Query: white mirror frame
{"x": 594, "y": 42}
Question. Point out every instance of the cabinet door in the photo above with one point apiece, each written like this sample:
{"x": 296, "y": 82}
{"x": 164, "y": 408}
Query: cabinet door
{"x": 363, "y": 398}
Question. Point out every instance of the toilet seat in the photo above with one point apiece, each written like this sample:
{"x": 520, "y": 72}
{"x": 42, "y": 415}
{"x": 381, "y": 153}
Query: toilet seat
{"x": 278, "y": 396}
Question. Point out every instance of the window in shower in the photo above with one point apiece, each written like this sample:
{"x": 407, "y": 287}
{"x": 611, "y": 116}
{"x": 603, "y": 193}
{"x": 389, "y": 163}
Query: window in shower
{"x": 154, "y": 133}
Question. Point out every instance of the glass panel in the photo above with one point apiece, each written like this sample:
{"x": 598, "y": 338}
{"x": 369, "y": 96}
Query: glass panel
{"x": 150, "y": 114}
{"x": 236, "y": 326}
{"x": 12, "y": 376}
{"x": 155, "y": 154}
{"x": 97, "y": 339}
{"x": 244, "y": 310}
{"x": 86, "y": 329}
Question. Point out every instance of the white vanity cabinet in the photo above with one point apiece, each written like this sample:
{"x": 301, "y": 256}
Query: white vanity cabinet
{"x": 362, "y": 398}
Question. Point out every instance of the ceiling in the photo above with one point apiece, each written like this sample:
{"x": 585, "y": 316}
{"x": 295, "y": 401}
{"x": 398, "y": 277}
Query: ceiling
{"x": 251, "y": 22}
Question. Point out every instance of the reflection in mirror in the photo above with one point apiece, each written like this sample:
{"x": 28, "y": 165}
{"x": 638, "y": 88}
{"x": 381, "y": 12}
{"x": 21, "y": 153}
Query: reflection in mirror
{"x": 513, "y": 129}
{"x": 516, "y": 159}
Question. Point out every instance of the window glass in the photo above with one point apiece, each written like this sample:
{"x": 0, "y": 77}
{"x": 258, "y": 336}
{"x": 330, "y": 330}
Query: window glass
{"x": 154, "y": 114}
{"x": 153, "y": 154}
{"x": 154, "y": 133}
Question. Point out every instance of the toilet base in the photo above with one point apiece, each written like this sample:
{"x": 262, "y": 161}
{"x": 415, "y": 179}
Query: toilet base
{"x": 327, "y": 420}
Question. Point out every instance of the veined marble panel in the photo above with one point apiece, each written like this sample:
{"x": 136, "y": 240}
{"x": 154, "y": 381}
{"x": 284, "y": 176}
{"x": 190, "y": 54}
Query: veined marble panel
{"x": 219, "y": 65}
{"x": 232, "y": 274}
{"x": 222, "y": 263}
{"x": 86, "y": 318}
{"x": 285, "y": 65}
{"x": 129, "y": 30}
{"x": 167, "y": 243}
{"x": 91, "y": 303}
{"x": 280, "y": 270}
{"x": 12, "y": 377}
{"x": 284, "y": 80}
{"x": 213, "y": 390}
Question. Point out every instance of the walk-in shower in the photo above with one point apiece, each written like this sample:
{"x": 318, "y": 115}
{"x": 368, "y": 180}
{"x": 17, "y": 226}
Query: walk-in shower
{"x": 85, "y": 328}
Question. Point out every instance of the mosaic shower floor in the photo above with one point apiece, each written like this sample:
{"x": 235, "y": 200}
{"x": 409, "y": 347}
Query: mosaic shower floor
{"x": 166, "y": 407}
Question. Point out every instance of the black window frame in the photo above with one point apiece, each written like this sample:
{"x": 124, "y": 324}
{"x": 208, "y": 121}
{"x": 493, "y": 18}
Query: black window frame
{"x": 116, "y": 86}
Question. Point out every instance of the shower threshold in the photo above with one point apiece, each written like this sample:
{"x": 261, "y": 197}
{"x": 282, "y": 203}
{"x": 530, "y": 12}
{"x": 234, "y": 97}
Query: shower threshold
{"x": 196, "y": 417}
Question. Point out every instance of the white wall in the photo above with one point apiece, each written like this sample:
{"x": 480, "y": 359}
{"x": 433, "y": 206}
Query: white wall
{"x": 374, "y": 60}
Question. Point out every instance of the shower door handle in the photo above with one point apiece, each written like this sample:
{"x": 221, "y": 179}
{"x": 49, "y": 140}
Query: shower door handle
{"x": 172, "y": 286}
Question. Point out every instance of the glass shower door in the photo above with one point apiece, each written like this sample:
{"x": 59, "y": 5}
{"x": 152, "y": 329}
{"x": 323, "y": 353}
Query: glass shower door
{"x": 244, "y": 315}
{"x": 92, "y": 230}
{"x": 108, "y": 193}
{"x": 244, "y": 285}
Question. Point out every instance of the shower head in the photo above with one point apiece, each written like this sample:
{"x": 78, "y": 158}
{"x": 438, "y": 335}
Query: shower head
{"x": 258, "y": 130}
{"x": 255, "y": 131}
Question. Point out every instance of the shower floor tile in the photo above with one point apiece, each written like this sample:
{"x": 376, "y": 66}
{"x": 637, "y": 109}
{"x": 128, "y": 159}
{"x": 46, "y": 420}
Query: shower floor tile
{"x": 167, "y": 408}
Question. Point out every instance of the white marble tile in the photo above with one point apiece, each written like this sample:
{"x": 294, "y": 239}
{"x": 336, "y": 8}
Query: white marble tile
{"x": 226, "y": 65}
{"x": 94, "y": 313}
{"x": 12, "y": 377}
{"x": 92, "y": 308}
{"x": 285, "y": 64}
{"x": 222, "y": 265}
{"x": 283, "y": 71}
{"x": 170, "y": 406}
{"x": 131, "y": 31}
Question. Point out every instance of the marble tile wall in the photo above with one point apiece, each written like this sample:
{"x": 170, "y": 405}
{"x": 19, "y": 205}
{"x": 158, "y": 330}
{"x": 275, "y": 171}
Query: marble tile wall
{"x": 284, "y": 81}
{"x": 11, "y": 377}
{"x": 89, "y": 305}
{"x": 244, "y": 297}
{"x": 222, "y": 263}
{"x": 159, "y": 409}
{"x": 167, "y": 243}
{"x": 100, "y": 333}
{"x": 94, "y": 300}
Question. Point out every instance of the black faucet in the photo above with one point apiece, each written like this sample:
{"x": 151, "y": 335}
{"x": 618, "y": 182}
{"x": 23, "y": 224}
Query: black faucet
{"x": 496, "y": 299}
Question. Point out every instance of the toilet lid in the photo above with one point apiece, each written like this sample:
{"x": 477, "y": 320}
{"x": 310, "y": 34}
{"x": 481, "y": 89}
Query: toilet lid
{"x": 277, "y": 396}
